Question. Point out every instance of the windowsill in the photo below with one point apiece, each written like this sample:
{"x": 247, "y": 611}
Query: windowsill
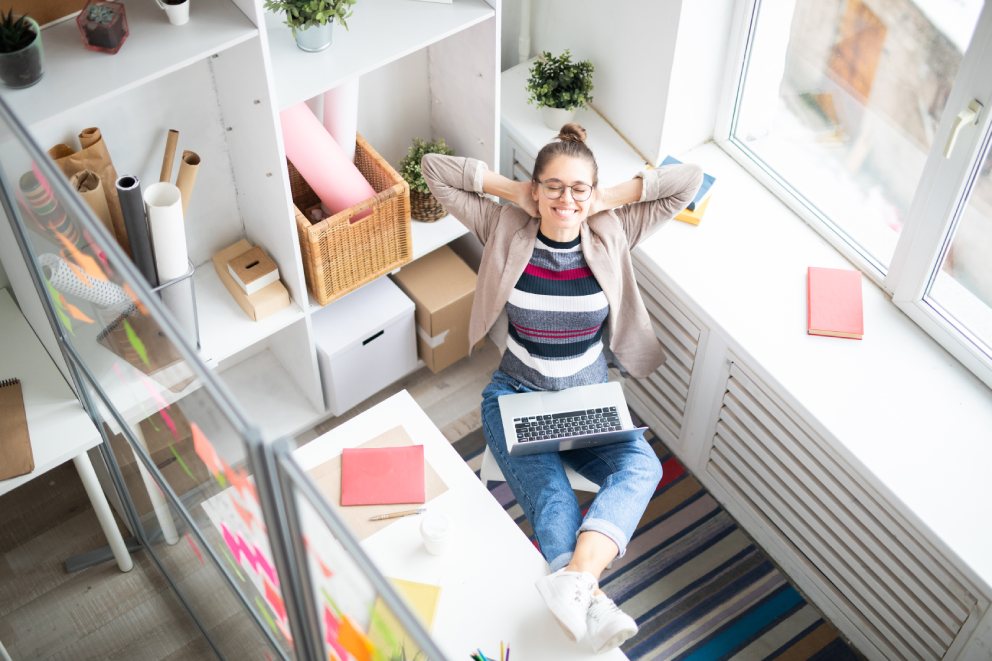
{"x": 897, "y": 404}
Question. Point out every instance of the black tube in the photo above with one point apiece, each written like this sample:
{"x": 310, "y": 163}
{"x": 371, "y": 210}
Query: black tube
{"x": 138, "y": 235}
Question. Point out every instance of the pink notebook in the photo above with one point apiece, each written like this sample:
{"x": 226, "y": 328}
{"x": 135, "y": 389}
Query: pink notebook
{"x": 833, "y": 303}
{"x": 382, "y": 476}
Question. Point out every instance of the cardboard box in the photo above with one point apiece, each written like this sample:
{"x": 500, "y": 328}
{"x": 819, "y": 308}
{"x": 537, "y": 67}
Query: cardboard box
{"x": 253, "y": 270}
{"x": 262, "y": 303}
{"x": 443, "y": 287}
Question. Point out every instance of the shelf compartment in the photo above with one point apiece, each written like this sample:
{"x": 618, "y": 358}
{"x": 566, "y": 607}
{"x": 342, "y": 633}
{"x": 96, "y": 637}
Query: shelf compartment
{"x": 427, "y": 237}
{"x": 225, "y": 329}
{"x": 379, "y": 33}
{"x": 75, "y": 76}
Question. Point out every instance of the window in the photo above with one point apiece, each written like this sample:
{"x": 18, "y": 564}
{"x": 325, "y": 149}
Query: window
{"x": 847, "y": 108}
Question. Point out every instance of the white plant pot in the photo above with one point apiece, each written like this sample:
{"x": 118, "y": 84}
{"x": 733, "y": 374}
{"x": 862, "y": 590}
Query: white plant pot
{"x": 555, "y": 118}
{"x": 314, "y": 39}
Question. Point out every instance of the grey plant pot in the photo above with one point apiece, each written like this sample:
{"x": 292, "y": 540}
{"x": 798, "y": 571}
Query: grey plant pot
{"x": 25, "y": 67}
{"x": 314, "y": 39}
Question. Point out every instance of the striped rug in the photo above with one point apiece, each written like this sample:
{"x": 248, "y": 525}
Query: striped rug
{"x": 696, "y": 584}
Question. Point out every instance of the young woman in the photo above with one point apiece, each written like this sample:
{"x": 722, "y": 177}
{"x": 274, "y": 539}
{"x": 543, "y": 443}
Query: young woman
{"x": 556, "y": 278}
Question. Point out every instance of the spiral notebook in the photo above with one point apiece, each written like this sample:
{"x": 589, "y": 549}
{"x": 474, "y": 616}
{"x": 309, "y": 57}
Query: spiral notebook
{"x": 15, "y": 444}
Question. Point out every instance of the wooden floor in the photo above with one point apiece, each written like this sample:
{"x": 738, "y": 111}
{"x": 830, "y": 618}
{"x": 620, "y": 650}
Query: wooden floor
{"x": 101, "y": 613}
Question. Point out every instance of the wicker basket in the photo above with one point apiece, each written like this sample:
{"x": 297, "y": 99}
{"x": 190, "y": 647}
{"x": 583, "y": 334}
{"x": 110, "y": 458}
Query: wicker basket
{"x": 339, "y": 255}
{"x": 425, "y": 207}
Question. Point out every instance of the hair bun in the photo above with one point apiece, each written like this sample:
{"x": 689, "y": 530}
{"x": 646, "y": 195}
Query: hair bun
{"x": 572, "y": 132}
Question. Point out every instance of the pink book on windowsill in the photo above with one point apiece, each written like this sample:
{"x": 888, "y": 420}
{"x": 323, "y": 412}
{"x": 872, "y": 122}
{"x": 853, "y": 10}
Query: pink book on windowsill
{"x": 833, "y": 303}
{"x": 382, "y": 476}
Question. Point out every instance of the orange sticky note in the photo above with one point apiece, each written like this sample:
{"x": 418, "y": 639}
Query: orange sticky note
{"x": 382, "y": 476}
{"x": 354, "y": 640}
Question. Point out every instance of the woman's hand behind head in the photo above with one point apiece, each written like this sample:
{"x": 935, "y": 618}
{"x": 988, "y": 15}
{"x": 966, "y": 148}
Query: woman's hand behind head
{"x": 525, "y": 199}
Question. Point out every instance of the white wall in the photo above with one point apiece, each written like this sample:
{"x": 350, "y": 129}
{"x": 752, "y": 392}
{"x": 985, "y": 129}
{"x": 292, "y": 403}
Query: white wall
{"x": 4, "y": 281}
{"x": 697, "y": 75}
{"x": 388, "y": 128}
{"x": 659, "y": 63}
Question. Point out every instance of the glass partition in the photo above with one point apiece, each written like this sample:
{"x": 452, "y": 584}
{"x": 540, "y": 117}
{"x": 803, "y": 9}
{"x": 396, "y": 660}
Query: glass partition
{"x": 183, "y": 453}
{"x": 354, "y": 611}
{"x": 239, "y": 532}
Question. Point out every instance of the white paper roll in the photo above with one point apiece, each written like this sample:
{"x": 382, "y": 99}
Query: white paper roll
{"x": 99, "y": 292}
{"x": 163, "y": 203}
{"x": 341, "y": 115}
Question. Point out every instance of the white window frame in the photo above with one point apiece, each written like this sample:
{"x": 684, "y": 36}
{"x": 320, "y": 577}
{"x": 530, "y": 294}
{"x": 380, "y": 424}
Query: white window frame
{"x": 944, "y": 185}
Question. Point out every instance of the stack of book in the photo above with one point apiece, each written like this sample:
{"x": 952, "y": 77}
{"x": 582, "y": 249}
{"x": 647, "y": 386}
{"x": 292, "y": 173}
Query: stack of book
{"x": 693, "y": 213}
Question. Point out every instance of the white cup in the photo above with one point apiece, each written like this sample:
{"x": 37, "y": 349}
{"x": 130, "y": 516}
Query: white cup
{"x": 178, "y": 12}
{"x": 436, "y": 529}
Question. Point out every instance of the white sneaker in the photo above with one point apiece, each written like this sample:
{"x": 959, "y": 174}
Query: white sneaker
{"x": 567, "y": 595}
{"x": 607, "y": 625}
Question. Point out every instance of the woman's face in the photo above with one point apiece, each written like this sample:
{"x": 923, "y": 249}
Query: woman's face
{"x": 561, "y": 217}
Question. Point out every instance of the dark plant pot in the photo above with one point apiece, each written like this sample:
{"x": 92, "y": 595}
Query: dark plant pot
{"x": 103, "y": 26}
{"x": 25, "y": 67}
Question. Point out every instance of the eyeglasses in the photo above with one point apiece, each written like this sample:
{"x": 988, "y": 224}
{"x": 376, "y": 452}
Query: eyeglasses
{"x": 554, "y": 189}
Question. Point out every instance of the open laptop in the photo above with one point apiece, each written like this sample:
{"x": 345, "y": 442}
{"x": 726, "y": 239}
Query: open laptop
{"x": 580, "y": 417}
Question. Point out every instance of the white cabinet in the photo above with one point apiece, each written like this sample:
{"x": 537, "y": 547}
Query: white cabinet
{"x": 426, "y": 70}
{"x": 365, "y": 341}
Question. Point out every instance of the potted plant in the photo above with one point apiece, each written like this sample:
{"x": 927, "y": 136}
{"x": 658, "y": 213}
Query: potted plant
{"x": 103, "y": 25}
{"x": 21, "y": 61}
{"x": 559, "y": 86}
{"x": 311, "y": 20}
{"x": 423, "y": 205}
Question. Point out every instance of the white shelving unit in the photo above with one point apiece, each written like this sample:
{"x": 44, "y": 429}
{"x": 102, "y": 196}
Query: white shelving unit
{"x": 428, "y": 237}
{"x": 75, "y": 76}
{"x": 222, "y": 80}
{"x": 378, "y": 33}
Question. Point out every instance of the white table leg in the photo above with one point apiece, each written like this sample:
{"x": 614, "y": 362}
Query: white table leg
{"x": 103, "y": 513}
{"x": 159, "y": 505}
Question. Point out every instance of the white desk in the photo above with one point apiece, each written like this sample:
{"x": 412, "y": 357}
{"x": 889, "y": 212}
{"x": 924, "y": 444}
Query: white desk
{"x": 487, "y": 576}
{"x": 59, "y": 427}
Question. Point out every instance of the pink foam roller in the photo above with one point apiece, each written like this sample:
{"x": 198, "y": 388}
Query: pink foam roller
{"x": 321, "y": 161}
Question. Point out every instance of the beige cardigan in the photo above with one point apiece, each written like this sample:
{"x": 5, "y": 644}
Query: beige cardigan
{"x": 508, "y": 235}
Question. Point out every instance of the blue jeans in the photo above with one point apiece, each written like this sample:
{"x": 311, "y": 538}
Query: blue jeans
{"x": 628, "y": 474}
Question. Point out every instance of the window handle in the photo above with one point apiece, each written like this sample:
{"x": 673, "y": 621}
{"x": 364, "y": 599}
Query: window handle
{"x": 967, "y": 116}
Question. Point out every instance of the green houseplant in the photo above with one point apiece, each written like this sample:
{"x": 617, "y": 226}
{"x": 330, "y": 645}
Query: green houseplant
{"x": 423, "y": 205}
{"x": 21, "y": 57}
{"x": 311, "y": 20}
{"x": 559, "y": 86}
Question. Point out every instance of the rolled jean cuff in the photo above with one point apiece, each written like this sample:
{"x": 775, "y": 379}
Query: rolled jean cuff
{"x": 560, "y": 561}
{"x": 604, "y": 527}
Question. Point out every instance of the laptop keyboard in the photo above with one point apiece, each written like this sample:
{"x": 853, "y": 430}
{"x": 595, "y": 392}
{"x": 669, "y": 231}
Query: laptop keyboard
{"x": 570, "y": 423}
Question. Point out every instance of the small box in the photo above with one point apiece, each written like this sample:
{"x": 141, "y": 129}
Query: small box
{"x": 267, "y": 300}
{"x": 365, "y": 341}
{"x": 253, "y": 270}
{"x": 443, "y": 288}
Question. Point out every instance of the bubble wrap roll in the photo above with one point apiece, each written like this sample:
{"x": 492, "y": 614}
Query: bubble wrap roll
{"x": 98, "y": 292}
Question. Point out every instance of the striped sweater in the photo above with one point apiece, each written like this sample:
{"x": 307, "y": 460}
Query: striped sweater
{"x": 556, "y": 316}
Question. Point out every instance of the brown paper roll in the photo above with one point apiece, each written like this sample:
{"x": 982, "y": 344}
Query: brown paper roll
{"x": 169, "y": 156}
{"x": 94, "y": 156}
{"x": 188, "y": 168}
{"x": 87, "y": 183}
{"x": 89, "y": 137}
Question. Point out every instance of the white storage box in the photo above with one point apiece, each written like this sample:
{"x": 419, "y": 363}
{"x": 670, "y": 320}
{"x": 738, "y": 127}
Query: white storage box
{"x": 365, "y": 341}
